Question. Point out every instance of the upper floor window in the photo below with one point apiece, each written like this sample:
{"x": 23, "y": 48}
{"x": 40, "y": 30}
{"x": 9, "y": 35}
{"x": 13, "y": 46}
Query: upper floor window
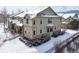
{"x": 49, "y": 20}
{"x": 27, "y": 21}
{"x": 33, "y": 22}
{"x": 40, "y": 31}
{"x": 40, "y": 21}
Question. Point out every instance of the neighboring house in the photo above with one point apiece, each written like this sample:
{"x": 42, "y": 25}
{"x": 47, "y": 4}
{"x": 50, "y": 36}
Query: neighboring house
{"x": 39, "y": 23}
{"x": 75, "y": 17}
{"x": 1, "y": 18}
{"x": 15, "y": 26}
{"x": 67, "y": 18}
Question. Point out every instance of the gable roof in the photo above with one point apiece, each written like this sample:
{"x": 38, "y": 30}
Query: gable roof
{"x": 33, "y": 13}
{"x": 47, "y": 9}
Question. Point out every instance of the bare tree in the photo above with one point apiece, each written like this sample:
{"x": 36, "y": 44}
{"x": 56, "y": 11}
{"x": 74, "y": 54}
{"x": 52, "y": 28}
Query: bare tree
{"x": 4, "y": 12}
{"x": 12, "y": 13}
{"x": 19, "y": 11}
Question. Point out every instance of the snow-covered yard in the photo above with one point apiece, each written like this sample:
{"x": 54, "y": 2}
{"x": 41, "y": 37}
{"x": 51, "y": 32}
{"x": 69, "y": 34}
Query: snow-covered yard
{"x": 16, "y": 45}
{"x": 4, "y": 35}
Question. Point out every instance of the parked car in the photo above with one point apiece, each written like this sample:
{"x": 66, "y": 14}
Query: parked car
{"x": 62, "y": 32}
{"x": 57, "y": 33}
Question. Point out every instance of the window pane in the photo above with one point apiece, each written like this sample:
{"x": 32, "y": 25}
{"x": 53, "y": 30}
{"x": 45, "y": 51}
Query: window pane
{"x": 40, "y": 21}
{"x": 40, "y": 31}
{"x": 49, "y": 20}
{"x": 50, "y": 29}
{"x": 47, "y": 29}
{"x": 33, "y": 32}
{"x": 34, "y": 22}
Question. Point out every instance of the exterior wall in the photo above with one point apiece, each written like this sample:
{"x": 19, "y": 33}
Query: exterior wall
{"x": 28, "y": 32}
{"x": 57, "y": 22}
{"x": 43, "y": 26}
{"x": 29, "y": 22}
{"x": 28, "y": 29}
{"x": 39, "y": 26}
{"x": 64, "y": 26}
{"x": 1, "y": 18}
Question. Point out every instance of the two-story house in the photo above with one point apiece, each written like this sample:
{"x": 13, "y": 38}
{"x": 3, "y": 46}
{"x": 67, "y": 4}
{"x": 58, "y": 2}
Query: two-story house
{"x": 41, "y": 23}
{"x": 35, "y": 24}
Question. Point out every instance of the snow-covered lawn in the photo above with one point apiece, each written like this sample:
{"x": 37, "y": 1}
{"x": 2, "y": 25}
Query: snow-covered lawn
{"x": 4, "y": 35}
{"x": 16, "y": 45}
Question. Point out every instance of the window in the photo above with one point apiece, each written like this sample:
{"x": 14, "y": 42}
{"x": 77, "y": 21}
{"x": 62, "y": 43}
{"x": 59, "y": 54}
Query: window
{"x": 34, "y": 32}
{"x": 49, "y": 20}
{"x": 34, "y": 22}
{"x": 27, "y": 21}
{"x": 55, "y": 27}
{"x": 47, "y": 29}
{"x": 24, "y": 17}
{"x": 40, "y": 31}
{"x": 13, "y": 18}
{"x": 25, "y": 31}
{"x": 40, "y": 21}
{"x": 51, "y": 29}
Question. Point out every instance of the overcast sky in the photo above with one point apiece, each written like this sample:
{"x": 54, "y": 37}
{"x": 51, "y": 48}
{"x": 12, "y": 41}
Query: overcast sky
{"x": 55, "y": 8}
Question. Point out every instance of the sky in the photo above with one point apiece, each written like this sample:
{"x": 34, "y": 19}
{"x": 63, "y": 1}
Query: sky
{"x": 24, "y": 8}
{"x": 57, "y": 5}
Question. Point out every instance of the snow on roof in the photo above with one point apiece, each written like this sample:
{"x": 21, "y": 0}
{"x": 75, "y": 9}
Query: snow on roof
{"x": 50, "y": 16}
{"x": 66, "y": 15}
{"x": 78, "y": 16}
{"x": 13, "y": 21}
{"x": 36, "y": 10}
{"x": 33, "y": 13}
{"x": 21, "y": 14}
{"x": 19, "y": 24}
{"x": 65, "y": 22}
{"x": 60, "y": 14}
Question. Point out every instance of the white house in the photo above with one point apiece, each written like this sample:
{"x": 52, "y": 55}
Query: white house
{"x": 43, "y": 22}
{"x": 39, "y": 23}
